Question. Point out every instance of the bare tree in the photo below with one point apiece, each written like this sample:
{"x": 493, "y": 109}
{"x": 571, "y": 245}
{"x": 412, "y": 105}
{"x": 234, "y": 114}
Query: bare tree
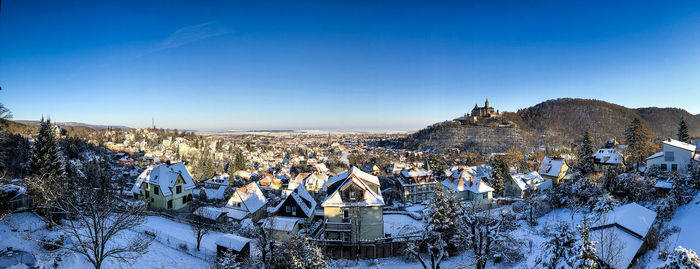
{"x": 436, "y": 249}
{"x": 95, "y": 216}
{"x": 610, "y": 246}
{"x": 199, "y": 228}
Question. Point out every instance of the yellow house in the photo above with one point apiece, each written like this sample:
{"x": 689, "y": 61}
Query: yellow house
{"x": 554, "y": 169}
{"x": 353, "y": 208}
{"x": 165, "y": 186}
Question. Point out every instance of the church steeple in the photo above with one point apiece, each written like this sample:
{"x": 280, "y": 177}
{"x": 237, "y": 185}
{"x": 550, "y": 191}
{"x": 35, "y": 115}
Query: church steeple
{"x": 487, "y": 103}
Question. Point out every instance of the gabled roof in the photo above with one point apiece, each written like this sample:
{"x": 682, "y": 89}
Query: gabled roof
{"x": 352, "y": 172}
{"x": 360, "y": 179}
{"x": 302, "y": 198}
{"x": 679, "y": 144}
{"x": 165, "y": 176}
{"x": 473, "y": 178}
{"x": 608, "y": 156}
{"x": 551, "y": 166}
{"x": 524, "y": 180}
{"x": 628, "y": 225}
{"x": 250, "y": 195}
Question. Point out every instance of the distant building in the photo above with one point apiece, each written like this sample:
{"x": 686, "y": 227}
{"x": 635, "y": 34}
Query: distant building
{"x": 484, "y": 112}
{"x": 246, "y": 201}
{"x": 607, "y": 157}
{"x": 519, "y": 183}
{"x": 470, "y": 183}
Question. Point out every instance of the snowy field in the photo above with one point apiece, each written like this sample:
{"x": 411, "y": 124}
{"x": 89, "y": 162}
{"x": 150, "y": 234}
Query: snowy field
{"x": 158, "y": 256}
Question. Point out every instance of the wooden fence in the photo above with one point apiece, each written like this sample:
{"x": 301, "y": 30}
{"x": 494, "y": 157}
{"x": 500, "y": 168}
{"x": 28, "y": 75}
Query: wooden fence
{"x": 380, "y": 248}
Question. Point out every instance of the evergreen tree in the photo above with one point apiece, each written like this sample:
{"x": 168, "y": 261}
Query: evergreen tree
{"x": 46, "y": 158}
{"x": 586, "y": 257}
{"x": 238, "y": 163}
{"x": 444, "y": 213}
{"x": 296, "y": 252}
{"x": 557, "y": 252}
{"x": 500, "y": 174}
{"x": 585, "y": 157}
{"x": 639, "y": 142}
{"x": 683, "y": 132}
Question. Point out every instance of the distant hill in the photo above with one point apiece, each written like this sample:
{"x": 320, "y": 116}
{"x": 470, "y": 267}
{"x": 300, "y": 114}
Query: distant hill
{"x": 76, "y": 124}
{"x": 553, "y": 124}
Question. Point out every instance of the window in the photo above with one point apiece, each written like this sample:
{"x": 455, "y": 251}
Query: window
{"x": 156, "y": 190}
{"x": 178, "y": 189}
{"x": 669, "y": 157}
{"x": 346, "y": 215}
{"x": 346, "y": 237}
{"x": 674, "y": 167}
{"x": 664, "y": 167}
{"x": 294, "y": 211}
{"x": 148, "y": 194}
{"x": 288, "y": 209}
{"x": 170, "y": 204}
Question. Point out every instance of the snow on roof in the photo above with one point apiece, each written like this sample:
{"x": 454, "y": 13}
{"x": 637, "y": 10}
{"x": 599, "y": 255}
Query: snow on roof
{"x": 523, "y": 180}
{"x": 632, "y": 216}
{"x": 679, "y": 144}
{"x": 359, "y": 178}
{"x": 415, "y": 172}
{"x": 232, "y": 241}
{"x": 279, "y": 223}
{"x": 608, "y": 156}
{"x": 250, "y": 195}
{"x": 551, "y": 166}
{"x": 209, "y": 212}
{"x": 234, "y": 213}
{"x": 628, "y": 225}
{"x": 9, "y": 189}
{"x": 656, "y": 155}
{"x": 165, "y": 176}
{"x": 627, "y": 244}
{"x": 315, "y": 181}
{"x": 321, "y": 167}
{"x": 473, "y": 178}
{"x": 357, "y": 173}
{"x": 216, "y": 193}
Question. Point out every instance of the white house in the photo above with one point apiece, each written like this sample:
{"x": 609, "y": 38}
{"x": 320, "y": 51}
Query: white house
{"x": 608, "y": 157}
{"x": 525, "y": 181}
{"x": 620, "y": 234}
{"x": 246, "y": 201}
{"x": 676, "y": 156}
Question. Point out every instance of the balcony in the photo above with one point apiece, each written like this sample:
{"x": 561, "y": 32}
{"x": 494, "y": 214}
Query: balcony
{"x": 338, "y": 226}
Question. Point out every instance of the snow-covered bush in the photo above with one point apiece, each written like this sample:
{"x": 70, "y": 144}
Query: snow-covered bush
{"x": 605, "y": 203}
{"x": 519, "y": 206}
{"x": 633, "y": 187}
{"x": 666, "y": 207}
{"x": 556, "y": 252}
{"x": 681, "y": 258}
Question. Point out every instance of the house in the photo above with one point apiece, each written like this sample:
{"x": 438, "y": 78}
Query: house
{"x": 246, "y": 201}
{"x": 217, "y": 181}
{"x": 298, "y": 204}
{"x": 165, "y": 186}
{"x": 14, "y": 198}
{"x": 608, "y": 157}
{"x": 213, "y": 214}
{"x": 353, "y": 207}
{"x": 395, "y": 168}
{"x": 519, "y": 183}
{"x": 279, "y": 227}
{"x": 320, "y": 168}
{"x": 676, "y": 156}
{"x": 313, "y": 182}
{"x": 270, "y": 182}
{"x": 469, "y": 183}
{"x": 554, "y": 169}
{"x": 126, "y": 160}
{"x": 371, "y": 168}
{"x": 416, "y": 185}
{"x": 235, "y": 244}
{"x": 620, "y": 234}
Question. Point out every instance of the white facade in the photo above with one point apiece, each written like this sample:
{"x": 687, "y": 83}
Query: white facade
{"x": 676, "y": 156}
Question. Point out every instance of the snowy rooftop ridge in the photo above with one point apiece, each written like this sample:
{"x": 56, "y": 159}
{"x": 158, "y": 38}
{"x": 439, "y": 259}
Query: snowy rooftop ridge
{"x": 165, "y": 176}
{"x": 679, "y": 144}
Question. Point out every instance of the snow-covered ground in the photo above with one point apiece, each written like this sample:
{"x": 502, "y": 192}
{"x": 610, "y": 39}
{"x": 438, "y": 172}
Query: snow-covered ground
{"x": 402, "y": 224}
{"x": 158, "y": 255}
{"x": 687, "y": 218}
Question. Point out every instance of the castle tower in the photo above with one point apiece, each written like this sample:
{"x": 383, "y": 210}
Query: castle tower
{"x": 487, "y": 103}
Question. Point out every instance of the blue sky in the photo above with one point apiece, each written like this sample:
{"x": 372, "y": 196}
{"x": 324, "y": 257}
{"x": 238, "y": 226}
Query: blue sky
{"x": 337, "y": 65}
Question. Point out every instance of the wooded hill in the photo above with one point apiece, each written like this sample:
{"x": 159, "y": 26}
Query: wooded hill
{"x": 552, "y": 124}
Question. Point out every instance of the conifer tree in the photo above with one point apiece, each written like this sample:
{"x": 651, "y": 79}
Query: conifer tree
{"x": 500, "y": 174}
{"x": 46, "y": 158}
{"x": 586, "y": 257}
{"x": 639, "y": 142}
{"x": 585, "y": 161}
{"x": 238, "y": 163}
{"x": 683, "y": 132}
{"x": 444, "y": 213}
{"x": 557, "y": 252}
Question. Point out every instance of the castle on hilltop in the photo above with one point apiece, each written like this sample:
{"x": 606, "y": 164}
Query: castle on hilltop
{"x": 480, "y": 113}
{"x": 484, "y": 112}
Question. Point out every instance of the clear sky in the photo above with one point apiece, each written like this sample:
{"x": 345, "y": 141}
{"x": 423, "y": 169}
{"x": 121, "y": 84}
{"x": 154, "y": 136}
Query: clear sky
{"x": 338, "y": 65}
